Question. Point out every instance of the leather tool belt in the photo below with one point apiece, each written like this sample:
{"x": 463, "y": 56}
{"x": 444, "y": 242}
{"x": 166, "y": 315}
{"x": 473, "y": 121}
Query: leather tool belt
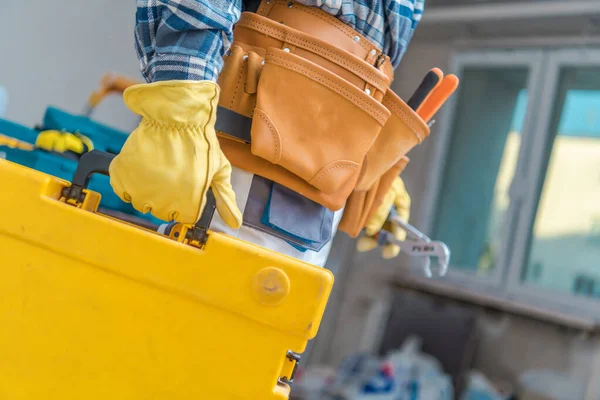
{"x": 305, "y": 102}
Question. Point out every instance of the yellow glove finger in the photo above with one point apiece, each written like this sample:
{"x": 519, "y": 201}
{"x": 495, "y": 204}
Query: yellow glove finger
{"x": 401, "y": 200}
{"x": 392, "y": 250}
{"x": 379, "y": 218}
{"x": 117, "y": 184}
{"x": 366, "y": 243}
{"x": 225, "y": 196}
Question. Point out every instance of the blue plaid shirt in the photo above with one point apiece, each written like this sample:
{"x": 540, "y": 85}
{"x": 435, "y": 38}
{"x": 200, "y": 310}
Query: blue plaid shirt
{"x": 186, "y": 39}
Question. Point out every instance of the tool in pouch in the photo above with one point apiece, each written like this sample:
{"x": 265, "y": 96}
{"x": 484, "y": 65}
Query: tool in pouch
{"x": 431, "y": 81}
{"x": 109, "y": 84}
{"x": 416, "y": 244}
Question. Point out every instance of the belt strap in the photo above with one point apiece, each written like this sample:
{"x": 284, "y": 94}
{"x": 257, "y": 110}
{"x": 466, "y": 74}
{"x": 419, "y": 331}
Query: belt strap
{"x": 233, "y": 124}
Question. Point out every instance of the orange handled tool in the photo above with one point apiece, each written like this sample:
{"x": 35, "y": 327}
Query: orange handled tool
{"x": 109, "y": 84}
{"x": 438, "y": 97}
{"x": 431, "y": 81}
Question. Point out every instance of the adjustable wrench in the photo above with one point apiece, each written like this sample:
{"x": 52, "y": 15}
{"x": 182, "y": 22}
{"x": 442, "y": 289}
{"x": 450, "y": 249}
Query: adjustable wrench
{"x": 417, "y": 244}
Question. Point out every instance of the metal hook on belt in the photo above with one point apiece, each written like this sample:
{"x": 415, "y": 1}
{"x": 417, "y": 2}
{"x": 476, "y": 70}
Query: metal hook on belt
{"x": 417, "y": 244}
{"x": 380, "y": 60}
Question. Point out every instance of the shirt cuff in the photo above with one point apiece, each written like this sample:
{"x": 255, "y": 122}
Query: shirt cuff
{"x": 166, "y": 67}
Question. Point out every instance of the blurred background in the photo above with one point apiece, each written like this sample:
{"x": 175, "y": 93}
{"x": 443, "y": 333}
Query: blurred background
{"x": 509, "y": 179}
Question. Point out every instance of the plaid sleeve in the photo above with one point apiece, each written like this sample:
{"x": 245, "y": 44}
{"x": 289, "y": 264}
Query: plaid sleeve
{"x": 184, "y": 39}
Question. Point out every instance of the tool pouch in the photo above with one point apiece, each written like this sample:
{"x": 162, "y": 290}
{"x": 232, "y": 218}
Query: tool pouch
{"x": 240, "y": 156}
{"x": 239, "y": 80}
{"x": 363, "y": 203}
{"x": 313, "y": 123}
{"x": 402, "y": 131}
{"x": 320, "y": 109}
{"x": 257, "y": 33}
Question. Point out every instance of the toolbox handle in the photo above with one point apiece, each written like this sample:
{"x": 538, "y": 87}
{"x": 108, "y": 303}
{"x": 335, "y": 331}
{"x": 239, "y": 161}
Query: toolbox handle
{"x": 98, "y": 162}
{"x": 92, "y": 162}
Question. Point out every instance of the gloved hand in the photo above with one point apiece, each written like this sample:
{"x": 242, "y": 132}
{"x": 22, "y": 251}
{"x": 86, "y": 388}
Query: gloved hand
{"x": 397, "y": 196}
{"x": 170, "y": 161}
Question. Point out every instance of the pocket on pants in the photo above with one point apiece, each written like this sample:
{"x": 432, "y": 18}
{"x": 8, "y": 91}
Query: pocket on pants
{"x": 283, "y": 213}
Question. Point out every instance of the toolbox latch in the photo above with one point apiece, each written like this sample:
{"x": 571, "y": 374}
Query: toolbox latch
{"x": 295, "y": 358}
{"x": 198, "y": 235}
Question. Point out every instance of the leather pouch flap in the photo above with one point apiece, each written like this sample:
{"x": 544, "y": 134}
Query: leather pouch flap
{"x": 313, "y": 123}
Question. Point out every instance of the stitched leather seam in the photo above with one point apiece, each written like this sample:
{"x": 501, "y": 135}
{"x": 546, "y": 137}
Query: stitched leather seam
{"x": 264, "y": 9}
{"x": 320, "y": 50}
{"x": 337, "y": 24}
{"x": 237, "y": 85}
{"x": 403, "y": 115}
{"x": 321, "y": 175}
{"x": 379, "y": 115}
{"x": 364, "y": 43}
{"x": 339, "y": 59}
{"x": 274, "y": 134}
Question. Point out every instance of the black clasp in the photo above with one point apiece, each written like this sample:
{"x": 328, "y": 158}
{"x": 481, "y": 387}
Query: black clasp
{"x": 198, "y": 235}
{"x": 295, "y": 358}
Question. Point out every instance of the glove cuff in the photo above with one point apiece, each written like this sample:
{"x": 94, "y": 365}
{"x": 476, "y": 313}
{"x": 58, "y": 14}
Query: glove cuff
{"x": 179, "y": 103}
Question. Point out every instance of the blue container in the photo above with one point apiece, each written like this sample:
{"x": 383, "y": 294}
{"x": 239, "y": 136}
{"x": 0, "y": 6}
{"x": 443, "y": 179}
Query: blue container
{"x": 104, "y": 137}
{"x": 17, "y": 131}
{"x": 64, "y": 168}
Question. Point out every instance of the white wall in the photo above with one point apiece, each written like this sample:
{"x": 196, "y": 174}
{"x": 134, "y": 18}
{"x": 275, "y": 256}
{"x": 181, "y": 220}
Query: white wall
{"x": 55, "y": 52}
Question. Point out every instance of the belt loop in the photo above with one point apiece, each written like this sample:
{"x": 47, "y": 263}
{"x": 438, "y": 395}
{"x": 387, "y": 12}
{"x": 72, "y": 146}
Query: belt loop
{"x": 265, "y": 7}
{"x": 372, "y": 56}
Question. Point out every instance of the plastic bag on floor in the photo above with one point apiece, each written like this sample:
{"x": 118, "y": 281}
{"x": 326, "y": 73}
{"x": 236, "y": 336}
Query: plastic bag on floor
{"x": 310, "y": 384}
{"x": 548, "y": 384}
{"x": 479, "y": 388}
{"x": 404, "y": 374}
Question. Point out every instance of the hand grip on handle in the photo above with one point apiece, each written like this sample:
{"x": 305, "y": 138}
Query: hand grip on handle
{"x": 98, "y": 162}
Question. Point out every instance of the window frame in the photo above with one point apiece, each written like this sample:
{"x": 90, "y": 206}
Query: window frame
{"x": 555, "y": 61}
{"x": 532, "y": 60}
{"x": 504, "y": 283}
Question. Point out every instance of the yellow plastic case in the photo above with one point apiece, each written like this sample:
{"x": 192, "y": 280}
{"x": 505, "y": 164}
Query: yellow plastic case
{"x": 94, "y": 308}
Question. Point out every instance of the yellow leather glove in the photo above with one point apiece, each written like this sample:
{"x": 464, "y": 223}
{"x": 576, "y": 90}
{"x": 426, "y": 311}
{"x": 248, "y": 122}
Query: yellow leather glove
{"x": 396, "y": 196}
{"x": 170, "y": 161}
{"x": 62, "y": 142}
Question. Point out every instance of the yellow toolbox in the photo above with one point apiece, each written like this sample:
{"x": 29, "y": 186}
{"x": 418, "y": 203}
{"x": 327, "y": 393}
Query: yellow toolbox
{"x": 92, "y": 307}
